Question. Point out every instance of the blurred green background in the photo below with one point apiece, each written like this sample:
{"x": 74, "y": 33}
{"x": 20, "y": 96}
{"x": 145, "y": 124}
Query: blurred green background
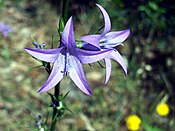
{"x": 149, "y": 52}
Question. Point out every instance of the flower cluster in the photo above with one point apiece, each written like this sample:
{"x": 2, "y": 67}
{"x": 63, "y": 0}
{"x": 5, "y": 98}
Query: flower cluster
{"x": 5, "y": 29}
{"x": 68, "y": 58}
{"x": 133, "y": 122}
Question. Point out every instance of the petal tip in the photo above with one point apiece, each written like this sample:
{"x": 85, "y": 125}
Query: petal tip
{"x": 98, "y": 5}
{"x": 105, "y": 82}
{"x": 129, "y": 30}
{"x": 125, "y": 72}
{"x": 124, "y": 68}
{"x": 89, "y": 93}
{"x": 42, "y": 89}
{"x": 26, "y": 49}
{"x": 70, "y": 18}
{"x": 39, "y": 91}
{"x": 126, "y": 33}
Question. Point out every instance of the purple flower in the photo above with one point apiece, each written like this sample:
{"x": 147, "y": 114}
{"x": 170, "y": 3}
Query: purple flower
{"x": 5, "y": 29}
{"x": 107, "y": 40}
{"x": 67, "y": 59}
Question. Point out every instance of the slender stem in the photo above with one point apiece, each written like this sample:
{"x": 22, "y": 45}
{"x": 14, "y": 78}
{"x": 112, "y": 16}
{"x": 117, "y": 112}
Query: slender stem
{"x": 57, "y": 90}
{"x": 65, "y": 10}
{"x": 54, "y": 117}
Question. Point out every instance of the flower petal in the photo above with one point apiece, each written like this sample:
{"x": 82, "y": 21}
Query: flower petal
{"x": 92, "y": 39}
{"x": 117, "y": 57}
{"x": 56, "y": 75}
{"x": 108, "y": 69}
{"x": 77, "y": 75}
{"x": 68, "y": 35}
{"x": 116, "y": 37}
{"x": 48, "y": 55}
{"x": 107, "y": 21}
{"x": 86, "y": 57}
{"x": 89, "y": 47}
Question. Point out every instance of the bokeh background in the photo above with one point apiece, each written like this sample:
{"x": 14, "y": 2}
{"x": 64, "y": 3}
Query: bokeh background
{"x": 149, "y": 52}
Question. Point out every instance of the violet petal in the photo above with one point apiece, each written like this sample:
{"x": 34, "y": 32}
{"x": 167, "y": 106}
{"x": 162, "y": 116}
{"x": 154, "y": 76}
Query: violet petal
{"x": 68, "y": 35}
{"x": 90, "y": 47}
{"x": 116, "y": 37}
{"x": 106, "y": 18}
{"x": 86, "y": 57}
{"x": 77, "y": 75}
{"x": 108, "y": 69}
{"x": 56, "y": 74}
{"x": 48, "y": 55}
{"x": 115, "y": 55}
{"x": 92, "y": 39}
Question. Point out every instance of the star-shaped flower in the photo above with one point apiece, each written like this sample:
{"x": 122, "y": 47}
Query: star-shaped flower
{"x": 67, "y": 59}
{"x": 107, "y": 40}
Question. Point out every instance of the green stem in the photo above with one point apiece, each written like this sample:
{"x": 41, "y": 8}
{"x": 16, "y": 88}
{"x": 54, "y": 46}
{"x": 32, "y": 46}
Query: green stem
{"x": 65, "y": 10}
{"x": 54, "y": 115}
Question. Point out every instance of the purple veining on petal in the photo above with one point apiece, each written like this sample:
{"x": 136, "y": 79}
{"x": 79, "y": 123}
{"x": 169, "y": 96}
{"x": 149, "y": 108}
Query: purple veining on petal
{"x": 68, "y": 35}
{"x": 48, "y": 55}
{"x": 117, "y": 36}
{"x": 77, "y": 75}
{"x": 92, "y": 56}
{"x": 89, "y": 47}
{"x": 56, "y": 74}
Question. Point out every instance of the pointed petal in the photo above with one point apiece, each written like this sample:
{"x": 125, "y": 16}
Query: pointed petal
{"x": 56, "y": 74}
{"x": 89, "y": 47}
{"x": 108, "y": 69}
{"x": 117, "y": 57}
{"x": 77, "y": 75}
{"x": 86, "y": 57}
{"x": 116, "y": 37}
{"x": 48, "y": 55}
{"x": 106, "y": 18}
{"x": 68, "y": 35}
{"x": 92, "y": 39}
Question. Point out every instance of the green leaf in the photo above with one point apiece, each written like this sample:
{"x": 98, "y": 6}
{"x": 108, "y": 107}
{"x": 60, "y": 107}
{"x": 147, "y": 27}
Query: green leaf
{"x": 65, "y": 96}
{"x": 32, "y": 68}
{"x": 142, "y": 8}
{"x": 149, "y": 127}
{"x": 153, "y": 5}
{"x": 61, "y": 25}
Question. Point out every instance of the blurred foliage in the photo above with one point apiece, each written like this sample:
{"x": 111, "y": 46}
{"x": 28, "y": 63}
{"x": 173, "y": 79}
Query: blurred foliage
{"x": 149, "y": 52}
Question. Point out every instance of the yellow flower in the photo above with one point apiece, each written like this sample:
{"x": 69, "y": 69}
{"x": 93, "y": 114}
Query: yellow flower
{"x": 133, "y": 122}
{"x": 162, "y": 109}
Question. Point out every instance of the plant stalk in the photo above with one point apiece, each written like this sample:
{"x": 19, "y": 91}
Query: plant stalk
{"x": 54, "y": 115}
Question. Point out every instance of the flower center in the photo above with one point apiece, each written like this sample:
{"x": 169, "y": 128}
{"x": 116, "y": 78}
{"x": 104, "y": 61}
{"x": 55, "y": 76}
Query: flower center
{"x": 103, "y": 43}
